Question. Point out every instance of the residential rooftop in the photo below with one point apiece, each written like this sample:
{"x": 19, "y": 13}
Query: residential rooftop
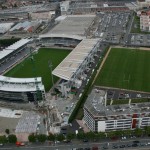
{"x": 95, "y": 105}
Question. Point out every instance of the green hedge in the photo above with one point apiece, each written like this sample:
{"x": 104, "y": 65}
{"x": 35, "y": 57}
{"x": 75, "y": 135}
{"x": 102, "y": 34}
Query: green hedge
{"x": 8, "y": 42}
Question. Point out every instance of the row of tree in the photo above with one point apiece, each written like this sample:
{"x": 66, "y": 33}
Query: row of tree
{"x": 8, "y": 42}
{"x": 90, "y": 135}
{"x": 80, "y": 136}
{"x": 8, "y": 139}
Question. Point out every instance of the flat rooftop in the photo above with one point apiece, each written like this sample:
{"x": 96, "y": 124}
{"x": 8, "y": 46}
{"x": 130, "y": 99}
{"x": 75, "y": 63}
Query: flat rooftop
{"x": 33, "y": 8}
{"x": 28, "y": 123}
{"x": 72, "y": 25}
{"x": 96, "y": 107}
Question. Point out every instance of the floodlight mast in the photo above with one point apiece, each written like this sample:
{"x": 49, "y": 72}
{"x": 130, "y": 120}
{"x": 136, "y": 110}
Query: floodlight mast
{"x": 50, "y": 66}
{"x": 38, "y": 93}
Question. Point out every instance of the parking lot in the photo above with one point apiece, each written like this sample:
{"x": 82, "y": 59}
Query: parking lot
{"x": 115, "y": 94}
{"x": 139, "y": 39}
{"x": 112, "y": 26}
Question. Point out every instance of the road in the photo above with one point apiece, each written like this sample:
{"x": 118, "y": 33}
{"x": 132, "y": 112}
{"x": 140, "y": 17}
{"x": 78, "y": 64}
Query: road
{"x": 130, "y": 22}
{"x": 77, "y": 144}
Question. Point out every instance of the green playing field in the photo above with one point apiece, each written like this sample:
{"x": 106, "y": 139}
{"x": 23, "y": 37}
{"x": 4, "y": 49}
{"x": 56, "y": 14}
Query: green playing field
{"x": 40, "y": 67}
{"x": 126, "y": 68}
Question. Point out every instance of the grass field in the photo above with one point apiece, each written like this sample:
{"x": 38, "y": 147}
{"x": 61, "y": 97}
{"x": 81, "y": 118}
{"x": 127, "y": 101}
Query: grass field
{"x": 40, "y": 66}
{"x": 126, "y": 68}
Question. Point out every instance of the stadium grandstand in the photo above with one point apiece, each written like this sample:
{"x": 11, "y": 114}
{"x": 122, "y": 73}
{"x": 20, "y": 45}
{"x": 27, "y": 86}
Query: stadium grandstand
{"x": 12, "y": 50}
{"x": 21, "y": 89}
{"x": 72, "y": 69}
{"x": 59, "y": 41}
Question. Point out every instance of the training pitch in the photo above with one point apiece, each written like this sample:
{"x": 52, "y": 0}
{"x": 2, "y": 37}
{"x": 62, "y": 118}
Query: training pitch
{"x": 126, "y": 68}
{"x": 39, "y": 66}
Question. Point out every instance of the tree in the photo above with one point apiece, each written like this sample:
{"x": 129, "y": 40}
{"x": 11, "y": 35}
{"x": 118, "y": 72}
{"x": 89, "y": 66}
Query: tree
{"x": 118, "y": 133}
{"x": 41, "y": 138}
{"x": 80, "y": 135}
{"x": 147, "y": 130}
{"x": 138, "y": 132}
{"x": 127, "y": 132}
{"x": 12, "y": 138}
{"x": 90, "y": 135}
{"x": 7, "y": 131}
{"x": 3, "y": 139}
{"x": 7, "y": 42}
{"x": 70, "y": 136}
{"x": 101, "y": 135}
{"x": 32, "y": 138}
{"x": 110, "y": 134}
{"x": 15, "y": 5}
{"x": 60, "y": 137}
{"x": 94, "y": 148}
{"x": 51, "y": 137}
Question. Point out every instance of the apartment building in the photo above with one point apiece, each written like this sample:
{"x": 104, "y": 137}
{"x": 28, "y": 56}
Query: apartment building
{"x": 143, "y": 3}
{"x": 145, "y": 21}
{"x": 101, "y": 117}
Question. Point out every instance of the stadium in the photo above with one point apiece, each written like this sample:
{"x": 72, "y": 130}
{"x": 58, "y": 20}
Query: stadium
{"x": 72, "y": 73}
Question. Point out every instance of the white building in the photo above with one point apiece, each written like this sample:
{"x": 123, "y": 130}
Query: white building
{"x": 64, "y": 6}
{"x": 25, "y": 27}
{"x": 4, "y": 27}
{"x": 145, "y": 21}
{"x": 42, "y": 15}
{"x": 143, "y": 3}
{"x": 21, "y": 89}
{"x": 101, "y": 118}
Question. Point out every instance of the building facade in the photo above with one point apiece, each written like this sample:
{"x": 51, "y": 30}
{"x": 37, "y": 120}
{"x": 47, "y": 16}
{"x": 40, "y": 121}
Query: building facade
{"x": 21, "y": 89}
{"x": 101, "y": 118}
{"x": 143, "y": 3}
{"x": 145, "y": 21}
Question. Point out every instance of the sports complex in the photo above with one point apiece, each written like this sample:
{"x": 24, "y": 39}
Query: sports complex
{"x": 72, "y": 70}
{"x": 71, "y": 62}
{"x": 40, "y": 65}
{"x": 126, "y": 68}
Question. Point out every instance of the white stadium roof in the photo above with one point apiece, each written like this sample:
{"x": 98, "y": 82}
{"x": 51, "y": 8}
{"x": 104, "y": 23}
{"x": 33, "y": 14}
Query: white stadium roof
{"x": 19, "y": 80}
{"x": 73, "y": 26}
{"x": 13, "y": 47}
{"x": 20, "y": 84}
{"x": 18, "y": 44}
{"x": 62, "y": 36}
{"x": 71, "y": 63}
{"x": 4, "y": 53}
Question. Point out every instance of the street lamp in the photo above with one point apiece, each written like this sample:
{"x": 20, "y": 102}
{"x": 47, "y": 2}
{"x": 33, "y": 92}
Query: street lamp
{"x": 50, "y": 66}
